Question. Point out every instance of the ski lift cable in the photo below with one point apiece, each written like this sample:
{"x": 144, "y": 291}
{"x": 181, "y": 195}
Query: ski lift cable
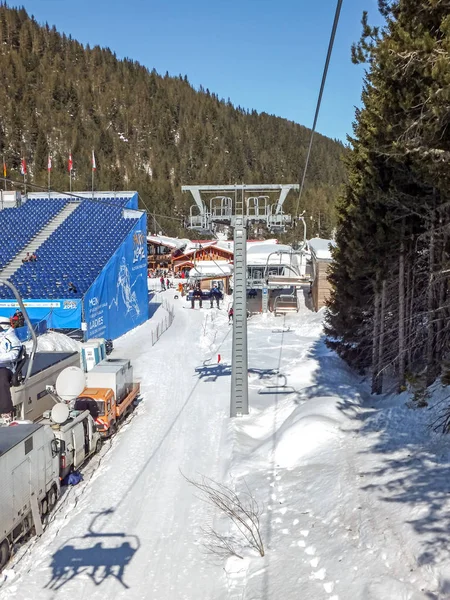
{"x": 319, "y": 99}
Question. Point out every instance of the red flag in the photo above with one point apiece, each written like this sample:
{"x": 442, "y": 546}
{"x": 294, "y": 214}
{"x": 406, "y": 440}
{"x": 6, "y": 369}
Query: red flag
{"x": 23, "y": 167}
{"x": 49, "y": 164}
{"x": 93, "y": 161}
{"x": 70, "y": 162}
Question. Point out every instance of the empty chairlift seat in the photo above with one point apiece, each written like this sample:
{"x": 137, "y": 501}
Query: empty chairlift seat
{"x": 285, "y": 303}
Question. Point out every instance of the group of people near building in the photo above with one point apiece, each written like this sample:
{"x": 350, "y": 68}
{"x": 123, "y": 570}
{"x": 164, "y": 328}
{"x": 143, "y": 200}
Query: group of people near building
{"x": 215, "y": 295}
{"x": 165, "y": 283}
{"x": 158, "y": 273}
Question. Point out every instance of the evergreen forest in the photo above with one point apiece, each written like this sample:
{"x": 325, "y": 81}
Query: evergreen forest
{"x": 150, "y": 133}
{"x": 390, "y": 308}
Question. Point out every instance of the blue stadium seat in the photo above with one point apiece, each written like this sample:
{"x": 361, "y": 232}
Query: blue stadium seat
{"x": 77, "y": 251}
{"x": 20, "y": 225}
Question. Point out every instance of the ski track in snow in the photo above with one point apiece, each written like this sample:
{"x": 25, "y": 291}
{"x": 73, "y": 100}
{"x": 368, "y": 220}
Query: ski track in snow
{"x": 353, "y": 489}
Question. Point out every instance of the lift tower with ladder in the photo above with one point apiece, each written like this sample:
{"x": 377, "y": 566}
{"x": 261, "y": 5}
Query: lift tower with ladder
{"x": 239, "y": 206}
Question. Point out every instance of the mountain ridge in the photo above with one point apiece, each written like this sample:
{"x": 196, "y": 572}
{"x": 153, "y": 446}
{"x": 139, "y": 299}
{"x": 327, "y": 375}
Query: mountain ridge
{"x": 149, "y": 132}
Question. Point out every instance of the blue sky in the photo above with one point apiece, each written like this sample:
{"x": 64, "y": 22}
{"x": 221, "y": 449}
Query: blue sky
{"x": 266, "y": 55}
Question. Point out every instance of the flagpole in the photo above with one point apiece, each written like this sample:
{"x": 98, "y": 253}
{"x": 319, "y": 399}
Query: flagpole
{"x": 4, "y": 170}
{"x": 70, "y": 172}
{"x": 93, "y": 171}
{"x": 24, "y": 169}
{"x": 49, "y": 169}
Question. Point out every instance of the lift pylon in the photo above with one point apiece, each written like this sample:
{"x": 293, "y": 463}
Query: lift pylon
{"x": 239, "y": 206}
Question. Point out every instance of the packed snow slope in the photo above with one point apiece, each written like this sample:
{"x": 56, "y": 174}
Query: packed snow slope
{"x": 354, "y": 490}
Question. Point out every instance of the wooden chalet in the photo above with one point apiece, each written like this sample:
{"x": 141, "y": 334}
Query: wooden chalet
{"x": 201, "y": 251}
{"x": 160, "y": 251}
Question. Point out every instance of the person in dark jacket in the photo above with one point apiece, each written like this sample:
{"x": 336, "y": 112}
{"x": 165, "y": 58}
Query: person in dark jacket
{"x": 196, "y": 295}
{"x": 216, "y": 295}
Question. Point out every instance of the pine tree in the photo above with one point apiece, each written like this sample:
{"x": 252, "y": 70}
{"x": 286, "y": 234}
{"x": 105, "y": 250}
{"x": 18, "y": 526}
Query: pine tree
{"x": 389, "y": 300}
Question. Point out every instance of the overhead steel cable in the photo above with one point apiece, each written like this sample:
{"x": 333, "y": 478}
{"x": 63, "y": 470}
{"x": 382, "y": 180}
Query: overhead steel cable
{"x": 319, "y": 99}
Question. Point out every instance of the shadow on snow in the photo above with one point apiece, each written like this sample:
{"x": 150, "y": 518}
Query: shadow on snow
{"x": 97, "y": 555}
{"x": 414, "y": 468}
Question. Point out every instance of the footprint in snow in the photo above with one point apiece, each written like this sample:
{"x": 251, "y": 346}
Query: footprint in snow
{"x": 320, "y": 574}
{"x": 277, "y": 520}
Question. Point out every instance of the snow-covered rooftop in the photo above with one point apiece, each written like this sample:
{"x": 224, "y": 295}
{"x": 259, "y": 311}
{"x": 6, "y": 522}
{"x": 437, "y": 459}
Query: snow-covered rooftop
{"x": 258, "y": 254}
{"x": 320, "y": 248}
{"x": 190, "y": 246}
{"x": 209, "y": 268}
{"x": 168, "y": 241}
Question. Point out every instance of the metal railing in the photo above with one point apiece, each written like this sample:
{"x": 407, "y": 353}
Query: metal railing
{"x": 163, "y": 325}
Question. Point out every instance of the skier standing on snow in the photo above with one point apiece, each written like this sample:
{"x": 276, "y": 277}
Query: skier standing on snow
{"x": 163, "y": 287}
{"x": 230, "y": 315}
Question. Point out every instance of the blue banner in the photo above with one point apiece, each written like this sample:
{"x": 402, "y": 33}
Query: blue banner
{"x": 117, "y": 301}
{"x": 59, "y": 314}
{"x": 23, "y": 333}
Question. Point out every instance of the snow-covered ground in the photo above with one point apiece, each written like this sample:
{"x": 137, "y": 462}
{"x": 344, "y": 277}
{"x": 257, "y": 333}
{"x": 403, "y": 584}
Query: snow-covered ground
{"x": 354, "y": 490}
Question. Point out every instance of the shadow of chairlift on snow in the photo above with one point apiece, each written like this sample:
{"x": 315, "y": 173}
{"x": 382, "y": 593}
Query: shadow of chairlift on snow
{"x": 211, "y": 372}
{"x": 282, "y": 330}
{"x": 100, "y": 556}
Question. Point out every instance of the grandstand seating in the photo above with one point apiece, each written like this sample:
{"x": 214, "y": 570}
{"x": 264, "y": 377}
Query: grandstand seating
{"x": 75, "y": 252}
{"x": 20, "y": 225}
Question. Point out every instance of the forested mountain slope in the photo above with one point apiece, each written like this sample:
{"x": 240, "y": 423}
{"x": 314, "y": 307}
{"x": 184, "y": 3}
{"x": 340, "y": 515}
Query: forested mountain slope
{"x": 149, "y": 132}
